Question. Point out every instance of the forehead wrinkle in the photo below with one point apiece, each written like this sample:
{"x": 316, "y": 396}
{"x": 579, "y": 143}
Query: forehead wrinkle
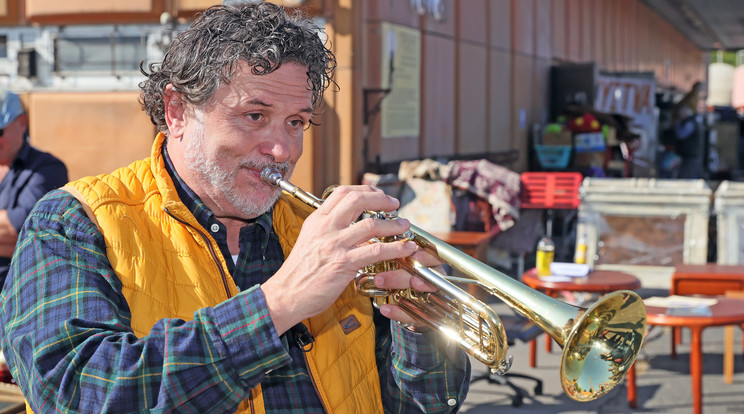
{"x": 268, "y": 91}
{"x": 259, "y": 102}
{"x": 256, "y": 101}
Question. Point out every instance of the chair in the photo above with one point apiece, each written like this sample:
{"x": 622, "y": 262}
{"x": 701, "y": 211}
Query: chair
{"x": 710, "y": 279}
{"x": 549, "y": 191}
{"x": 517, "y": 328}
{"x": 728, "y": 342}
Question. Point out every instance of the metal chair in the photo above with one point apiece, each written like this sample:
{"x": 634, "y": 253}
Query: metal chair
{"x": 519, "y": 328}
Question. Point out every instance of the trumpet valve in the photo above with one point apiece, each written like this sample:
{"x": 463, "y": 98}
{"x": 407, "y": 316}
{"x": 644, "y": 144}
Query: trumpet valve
{"x": 364, "y": 281}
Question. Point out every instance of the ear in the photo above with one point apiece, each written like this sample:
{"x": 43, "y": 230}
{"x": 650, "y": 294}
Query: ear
{"x": 23, "y": 119}
{"x": 174, "y": 112}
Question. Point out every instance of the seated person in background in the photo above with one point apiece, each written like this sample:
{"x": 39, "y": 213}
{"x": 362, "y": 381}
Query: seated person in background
{"x": 183, "y": 283}
{"x": 26, "y": 174}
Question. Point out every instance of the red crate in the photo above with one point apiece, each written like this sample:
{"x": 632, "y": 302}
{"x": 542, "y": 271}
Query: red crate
{"x": 550, "y": 189}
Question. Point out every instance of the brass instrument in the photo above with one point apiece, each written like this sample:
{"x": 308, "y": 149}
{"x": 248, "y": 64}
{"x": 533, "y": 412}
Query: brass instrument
{"x": 600, "y": 343}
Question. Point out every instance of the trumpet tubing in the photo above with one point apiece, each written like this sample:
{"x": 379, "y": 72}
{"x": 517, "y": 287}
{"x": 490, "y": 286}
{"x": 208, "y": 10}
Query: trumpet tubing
{"x": 600, "y": 343}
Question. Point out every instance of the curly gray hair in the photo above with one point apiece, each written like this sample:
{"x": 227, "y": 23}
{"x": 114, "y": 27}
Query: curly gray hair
{"x": 207, "y": 54}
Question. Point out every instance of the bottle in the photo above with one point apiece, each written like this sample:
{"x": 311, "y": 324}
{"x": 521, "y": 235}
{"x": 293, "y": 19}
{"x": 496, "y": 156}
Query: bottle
{"x": 545, "y": 255}
{"x": 580, "y": 253}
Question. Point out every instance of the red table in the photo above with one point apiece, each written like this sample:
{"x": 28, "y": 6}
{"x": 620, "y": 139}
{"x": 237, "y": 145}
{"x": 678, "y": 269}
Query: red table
{"x": 598, "y": 281}
{"x": 726, "y": 311}
{"x": 709, "y": 279}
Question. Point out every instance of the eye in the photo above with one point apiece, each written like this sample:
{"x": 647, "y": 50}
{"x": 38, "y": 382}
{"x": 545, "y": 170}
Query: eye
{"x": 296, "y": 123}
{"x": 254, "y": 116}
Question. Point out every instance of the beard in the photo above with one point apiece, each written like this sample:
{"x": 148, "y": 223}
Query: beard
{"x": 251, "y": 202}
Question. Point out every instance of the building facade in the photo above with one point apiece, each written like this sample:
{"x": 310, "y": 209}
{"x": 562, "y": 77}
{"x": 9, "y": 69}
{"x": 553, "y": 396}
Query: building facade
{"x": 416, "y": 78}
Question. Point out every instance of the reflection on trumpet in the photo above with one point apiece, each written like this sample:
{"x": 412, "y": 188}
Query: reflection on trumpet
{"x": 600, "y": 343}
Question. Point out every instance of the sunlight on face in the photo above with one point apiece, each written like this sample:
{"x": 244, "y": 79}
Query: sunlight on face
{"x": 208, "y": 166}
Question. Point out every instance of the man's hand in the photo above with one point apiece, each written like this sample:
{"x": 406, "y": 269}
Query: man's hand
{"x": 402, "y": 279}
{"x": 329, "y": 251}
{"x": 8, "y": 235}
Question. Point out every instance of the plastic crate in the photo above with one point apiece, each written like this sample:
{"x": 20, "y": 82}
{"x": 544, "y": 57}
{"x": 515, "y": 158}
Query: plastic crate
{"x": 550, "y": 190}
{"x": 553, "y": 156}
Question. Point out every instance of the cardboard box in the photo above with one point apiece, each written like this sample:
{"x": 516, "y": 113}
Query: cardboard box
{"x": 557, "y": 138}
{"x": 588, "y": 159}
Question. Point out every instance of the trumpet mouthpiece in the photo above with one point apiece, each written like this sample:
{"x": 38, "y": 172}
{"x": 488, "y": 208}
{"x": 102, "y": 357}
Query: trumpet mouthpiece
{"x": 271, "y": 176}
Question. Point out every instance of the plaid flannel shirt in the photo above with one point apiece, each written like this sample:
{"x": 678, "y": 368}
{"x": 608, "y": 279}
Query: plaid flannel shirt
{"x": 66, "y": 335}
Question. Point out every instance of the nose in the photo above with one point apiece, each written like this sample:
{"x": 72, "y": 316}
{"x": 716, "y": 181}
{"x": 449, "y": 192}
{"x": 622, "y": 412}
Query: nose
{"x": 277, "y": 144}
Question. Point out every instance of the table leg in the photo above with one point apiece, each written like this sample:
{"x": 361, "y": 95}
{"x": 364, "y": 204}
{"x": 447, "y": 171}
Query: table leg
{"x": 696, "y": 369}
{"x": 728, "y": 354}
{"x": 533, "y": 353}
{"x": 630, "y": 382}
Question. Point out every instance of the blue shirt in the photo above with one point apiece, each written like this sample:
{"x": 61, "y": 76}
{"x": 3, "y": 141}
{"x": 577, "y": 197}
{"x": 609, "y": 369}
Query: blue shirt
{"x": 32, "y": 174}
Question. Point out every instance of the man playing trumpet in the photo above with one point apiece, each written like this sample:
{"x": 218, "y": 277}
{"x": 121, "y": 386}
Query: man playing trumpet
{"x": 181, "y": 284}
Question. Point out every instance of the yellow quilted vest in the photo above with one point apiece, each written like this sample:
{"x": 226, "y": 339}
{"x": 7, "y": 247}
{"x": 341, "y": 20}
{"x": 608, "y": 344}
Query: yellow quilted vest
{"x": 170, "y": 267}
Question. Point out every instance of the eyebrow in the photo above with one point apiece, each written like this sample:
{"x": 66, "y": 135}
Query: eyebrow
{"x": 267, "y": 105}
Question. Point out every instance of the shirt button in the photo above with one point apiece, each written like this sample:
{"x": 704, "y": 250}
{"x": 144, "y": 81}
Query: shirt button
{"x": 452, "y": 402}
{"x": 215, "y": 228}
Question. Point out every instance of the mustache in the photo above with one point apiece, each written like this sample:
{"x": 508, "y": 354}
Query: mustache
{"x": 260, "y": 165}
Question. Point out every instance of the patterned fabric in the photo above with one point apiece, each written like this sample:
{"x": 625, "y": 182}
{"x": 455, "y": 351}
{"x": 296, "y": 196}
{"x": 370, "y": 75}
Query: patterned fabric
{"x": 259, "y": 258}
{"x": 208, "y": 364}
{"x": 496, "y": 184}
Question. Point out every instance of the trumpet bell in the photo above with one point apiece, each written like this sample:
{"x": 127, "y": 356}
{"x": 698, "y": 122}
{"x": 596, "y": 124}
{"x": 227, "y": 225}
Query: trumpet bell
{"x": 602, "y": 345}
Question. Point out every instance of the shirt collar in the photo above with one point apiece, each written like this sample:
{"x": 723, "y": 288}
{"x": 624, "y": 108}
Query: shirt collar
{"x": 203, "y": 214}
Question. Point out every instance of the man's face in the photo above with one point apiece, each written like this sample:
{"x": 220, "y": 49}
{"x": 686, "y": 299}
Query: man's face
{"x": 254, "y": 122}
{"x": 12, "y": 139}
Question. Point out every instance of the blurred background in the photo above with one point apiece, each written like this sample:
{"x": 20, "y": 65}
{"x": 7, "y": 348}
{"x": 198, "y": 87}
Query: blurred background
{"x": 417, "y": 78}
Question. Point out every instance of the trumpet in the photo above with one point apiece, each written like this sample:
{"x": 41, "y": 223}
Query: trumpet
{"x": 600, "y": 343}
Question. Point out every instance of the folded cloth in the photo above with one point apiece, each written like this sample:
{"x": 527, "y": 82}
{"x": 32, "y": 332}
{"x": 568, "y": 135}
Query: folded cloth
{"x": 498, "y": 185}
{"x": 427, "y": 168}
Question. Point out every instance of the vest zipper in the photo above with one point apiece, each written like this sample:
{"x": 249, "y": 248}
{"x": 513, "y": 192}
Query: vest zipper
{"x": 315, "y": 384}
{"x": 211, "y": 251}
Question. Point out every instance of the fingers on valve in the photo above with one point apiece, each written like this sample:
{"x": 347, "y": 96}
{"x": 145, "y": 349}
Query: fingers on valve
{"x": 348, "y": 202}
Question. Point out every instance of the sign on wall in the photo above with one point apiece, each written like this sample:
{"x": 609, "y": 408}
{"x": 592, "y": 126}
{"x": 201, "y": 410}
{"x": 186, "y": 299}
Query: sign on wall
{"x": 401, "y": 109}
{"x": 634, "y": 95}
